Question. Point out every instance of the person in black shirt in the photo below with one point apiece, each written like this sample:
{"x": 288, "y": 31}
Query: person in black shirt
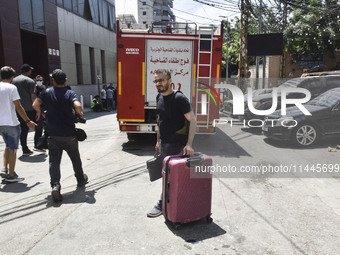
{"x": 176, "y": 123}
{"x": 41, "y": 123}
{"x": 59, "y": 102}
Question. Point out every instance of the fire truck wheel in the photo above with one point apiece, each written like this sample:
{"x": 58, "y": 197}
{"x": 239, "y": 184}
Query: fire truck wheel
{"x": 132, "y": 136}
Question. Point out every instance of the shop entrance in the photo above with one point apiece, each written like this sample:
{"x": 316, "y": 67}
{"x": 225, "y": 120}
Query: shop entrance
{"x": 35, "y": 53}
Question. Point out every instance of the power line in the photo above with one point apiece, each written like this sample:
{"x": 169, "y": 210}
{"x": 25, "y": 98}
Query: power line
{"x": 218, "y": 6}
{"x": 198, "y": 16}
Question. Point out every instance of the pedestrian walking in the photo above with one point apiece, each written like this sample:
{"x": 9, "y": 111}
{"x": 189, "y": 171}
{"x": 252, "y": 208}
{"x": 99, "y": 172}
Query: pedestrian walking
{"x": 115, "y": 97}
{"x": 109, "y": 98}
{"x": 60, "y": 102}
{"x": 41, "y": 122}
{"x": 9, "y": 124}
{"x": 25, "y": 86}
{"x": 176, "y": 123}
{"x": 103, "y": 95}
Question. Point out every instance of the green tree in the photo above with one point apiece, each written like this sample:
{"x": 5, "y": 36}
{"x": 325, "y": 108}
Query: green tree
{"x": 313, "y": 27}
{"x": 232, "y": 39}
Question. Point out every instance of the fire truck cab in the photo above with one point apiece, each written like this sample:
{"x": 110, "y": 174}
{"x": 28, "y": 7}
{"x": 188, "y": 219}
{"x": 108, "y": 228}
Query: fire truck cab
{"x": 193, "y": 57}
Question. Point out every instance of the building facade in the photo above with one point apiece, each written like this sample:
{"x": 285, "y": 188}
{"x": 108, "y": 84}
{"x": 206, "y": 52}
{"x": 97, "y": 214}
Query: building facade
{"x": 78, "y": 36}
{"x": 155, "y": 11}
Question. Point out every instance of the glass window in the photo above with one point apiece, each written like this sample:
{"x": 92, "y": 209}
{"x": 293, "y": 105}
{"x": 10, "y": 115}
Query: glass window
{"x": 94, "y": 10}
{"x": 92, "y": 66}
{"x": 102, "y": 54}
{"x": 60, "y": 2}
{"x": 38, "y": 15}
{"x": 87, "y": 10}
{"x": 105, "y": 15}
{"x": 75, "y": 6}
{"x": 144, "y": 13}
{"x": 68, "y": 4}
{"x": 100, "y": 6}
{"x": 112, "y": 15}
{"x": 144, "y": 3}
{"x": 25, "y": 14}
{"x": 80, "y": 7}
{"x": 79, "y": 64}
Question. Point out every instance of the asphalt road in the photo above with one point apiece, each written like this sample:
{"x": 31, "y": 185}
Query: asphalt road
{"x": 260, "y": 204}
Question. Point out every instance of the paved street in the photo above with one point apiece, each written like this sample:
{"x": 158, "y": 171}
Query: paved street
{"x": 254, "y": 213}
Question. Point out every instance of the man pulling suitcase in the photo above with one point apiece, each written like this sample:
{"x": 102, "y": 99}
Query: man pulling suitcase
{"x": 176, "y": 123}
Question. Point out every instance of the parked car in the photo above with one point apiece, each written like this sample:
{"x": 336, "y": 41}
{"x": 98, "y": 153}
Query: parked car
{"x": 315, "y": 84}
{"x": 306, "y": 130}
{"x": 336, "y": 72}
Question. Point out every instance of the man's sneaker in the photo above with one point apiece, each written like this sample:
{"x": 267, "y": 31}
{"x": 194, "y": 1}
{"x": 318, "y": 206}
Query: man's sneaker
{"x": 82, "y": 183}
{"x": 27, "y": 152}
{"x": 3, "y": 172}
{"x": 13, "y": 178}
{"x": 39, "y": 150}
{"x": 156, "y": 210}
{"x": 56, "y": 196}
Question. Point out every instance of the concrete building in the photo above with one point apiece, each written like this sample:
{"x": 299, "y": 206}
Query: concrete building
{"x": 77, "y": 36}
{"x": 155, "y": 11}
{"x": 128, "y": 21}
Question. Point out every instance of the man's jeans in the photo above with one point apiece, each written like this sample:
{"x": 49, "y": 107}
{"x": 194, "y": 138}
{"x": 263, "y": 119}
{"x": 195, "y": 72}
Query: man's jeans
{"x": 55, "y": 147}
{"x": 25, "y": 129}
{"x": 169, "y": 149}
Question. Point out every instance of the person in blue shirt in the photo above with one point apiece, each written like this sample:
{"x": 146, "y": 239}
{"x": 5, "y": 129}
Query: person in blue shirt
{"x": 60, "y": 102}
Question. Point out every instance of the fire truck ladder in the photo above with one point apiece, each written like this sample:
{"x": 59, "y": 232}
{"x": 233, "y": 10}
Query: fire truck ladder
{"x": 205, "y": 46}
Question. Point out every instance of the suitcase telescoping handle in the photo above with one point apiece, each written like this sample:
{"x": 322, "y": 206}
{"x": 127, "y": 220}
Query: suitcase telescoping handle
{"x": 167, "y": 193}
{"x": 194, "y": 161}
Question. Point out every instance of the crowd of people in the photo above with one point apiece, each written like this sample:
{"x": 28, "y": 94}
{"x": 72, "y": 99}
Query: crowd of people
{"x": 107, "y": 101}
{"x": 27, "y": 104}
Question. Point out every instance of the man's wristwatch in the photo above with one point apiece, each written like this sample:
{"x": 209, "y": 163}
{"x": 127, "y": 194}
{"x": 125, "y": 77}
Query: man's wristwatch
{"x": 28, "y": 121}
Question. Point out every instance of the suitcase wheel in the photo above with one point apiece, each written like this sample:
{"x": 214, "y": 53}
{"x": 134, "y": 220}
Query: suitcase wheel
{"x": 177, "y": 226}
{"x": 209, "y": 219}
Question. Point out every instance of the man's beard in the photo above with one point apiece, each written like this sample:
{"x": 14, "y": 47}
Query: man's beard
{"x": 163, "y": 88}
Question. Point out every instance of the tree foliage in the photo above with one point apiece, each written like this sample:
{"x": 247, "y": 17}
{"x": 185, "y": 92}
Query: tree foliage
{"x": 311, "y": 26}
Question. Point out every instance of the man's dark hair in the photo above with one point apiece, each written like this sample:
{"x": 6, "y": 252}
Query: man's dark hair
{"x": 26, "y": 68}
{"x": 166, "y": 71}
{"x": 7, "y": 72}
{"x": 59, "y": 76}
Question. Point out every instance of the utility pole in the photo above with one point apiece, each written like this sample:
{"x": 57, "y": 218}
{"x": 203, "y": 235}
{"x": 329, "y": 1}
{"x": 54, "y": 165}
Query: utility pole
{"x": 283, "y": 57}
{"x": 258, "y": 57}
{"x": 227, "y": 56}
{"x": 243, "y": 57}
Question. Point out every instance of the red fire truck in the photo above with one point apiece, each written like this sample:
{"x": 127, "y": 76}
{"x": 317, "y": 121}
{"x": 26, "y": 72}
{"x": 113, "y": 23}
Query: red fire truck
{"x": 194, "y": 60}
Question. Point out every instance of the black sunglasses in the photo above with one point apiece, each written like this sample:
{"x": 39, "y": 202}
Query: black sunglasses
{"x": 159, "y": 80}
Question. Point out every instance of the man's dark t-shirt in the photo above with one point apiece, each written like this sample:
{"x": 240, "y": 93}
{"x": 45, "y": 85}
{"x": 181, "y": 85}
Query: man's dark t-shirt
{"x": 59, "y": 105}
{"x": 25, "y": 86}
{"x": 171, "y": 122}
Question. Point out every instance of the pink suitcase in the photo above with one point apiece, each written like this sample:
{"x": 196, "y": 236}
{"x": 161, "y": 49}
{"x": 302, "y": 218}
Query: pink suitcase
{"x": 186, "y": 198}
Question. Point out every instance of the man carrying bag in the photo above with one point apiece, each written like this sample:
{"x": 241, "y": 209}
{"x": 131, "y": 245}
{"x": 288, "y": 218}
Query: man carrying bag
{"x": 174, "y": 135}
{"x": 60, "y": 102}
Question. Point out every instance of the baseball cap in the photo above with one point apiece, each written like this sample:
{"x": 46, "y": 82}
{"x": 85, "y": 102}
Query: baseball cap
{"x": 58, "y": 76}
{"x": 26, "y": 68}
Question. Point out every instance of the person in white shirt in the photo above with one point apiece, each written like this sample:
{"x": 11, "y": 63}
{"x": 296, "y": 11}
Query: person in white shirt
{"x": 9, "y": 124}
{"x": 103, "y": 96}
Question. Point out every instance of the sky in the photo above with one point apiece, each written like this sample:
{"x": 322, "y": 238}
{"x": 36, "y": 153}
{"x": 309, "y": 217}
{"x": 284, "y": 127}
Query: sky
{"x": 201, "y": 14}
